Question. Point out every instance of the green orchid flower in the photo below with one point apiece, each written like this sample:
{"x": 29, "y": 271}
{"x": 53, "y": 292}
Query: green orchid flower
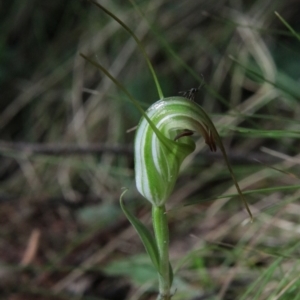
{"x": 158, "y": 157}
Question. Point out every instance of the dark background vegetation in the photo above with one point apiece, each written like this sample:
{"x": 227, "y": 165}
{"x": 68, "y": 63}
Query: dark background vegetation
{"x": 65, "y": 153}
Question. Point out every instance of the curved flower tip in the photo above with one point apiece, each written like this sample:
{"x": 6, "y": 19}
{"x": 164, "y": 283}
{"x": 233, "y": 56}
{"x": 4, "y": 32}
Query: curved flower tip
{"x": 158, "y": 156}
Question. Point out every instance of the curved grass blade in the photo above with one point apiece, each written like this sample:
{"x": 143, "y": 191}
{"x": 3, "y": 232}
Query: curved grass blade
{"x": 288, "y": 26}
{"x": 140, "y": 45}
{"x": 164, "y": 140}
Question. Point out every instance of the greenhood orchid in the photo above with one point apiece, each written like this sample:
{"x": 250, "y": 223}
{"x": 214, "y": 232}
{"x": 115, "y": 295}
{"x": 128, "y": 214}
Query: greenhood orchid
{"x": 162, "y": 141}
{"x": 158, "y": 156}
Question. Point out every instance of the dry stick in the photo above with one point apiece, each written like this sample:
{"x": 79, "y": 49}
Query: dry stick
{"x": 69, "y": 149}
{"x": 59, "y": 149}
{"x": 32, "y": 248}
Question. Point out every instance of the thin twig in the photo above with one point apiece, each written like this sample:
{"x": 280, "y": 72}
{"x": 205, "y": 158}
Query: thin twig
{"x": 69, "y": 149}
{"x": 65, "y": 149}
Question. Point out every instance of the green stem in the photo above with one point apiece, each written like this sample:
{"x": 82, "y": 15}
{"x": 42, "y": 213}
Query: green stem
{"x": 161, "y": 230}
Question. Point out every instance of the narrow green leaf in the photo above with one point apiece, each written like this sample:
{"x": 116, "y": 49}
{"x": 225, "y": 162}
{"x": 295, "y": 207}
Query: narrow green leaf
{"x": 284, "y": 83}
{"x": 266, "y": 133}
{"x": 288, "y": 26}
{"x": 144, "y": 234}
{"x": 140, "y": 45}
{"x": 160, "y": 136}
